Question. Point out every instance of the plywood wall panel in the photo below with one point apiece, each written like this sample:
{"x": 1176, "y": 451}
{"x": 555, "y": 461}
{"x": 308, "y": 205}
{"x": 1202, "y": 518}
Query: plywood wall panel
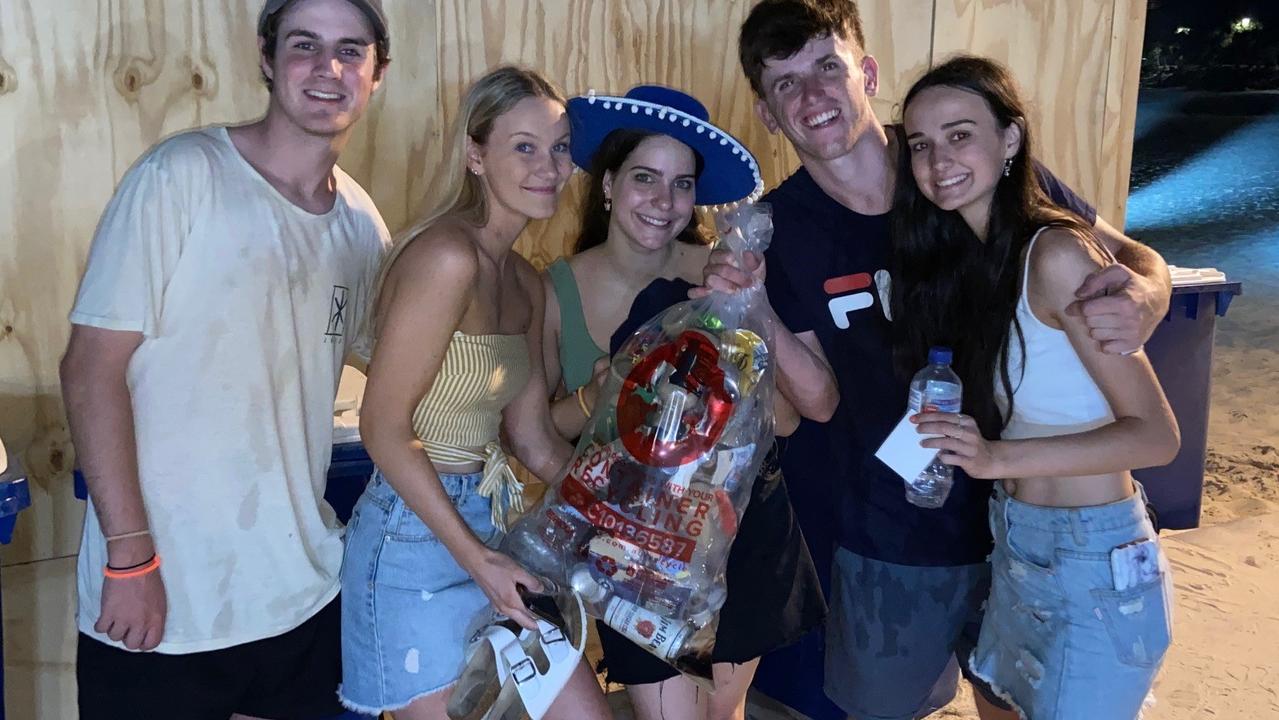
{"x": 1060, "y": 54}
{"x": 87, "y": 85}
{"x": 397, "y": 148}
{"x": 59, "y": 165}
{"x": 608, "y": 47}
{"x": 225, "y": 80}
{"x": 899, "y": 36}
{"x": 1126, "y": 42}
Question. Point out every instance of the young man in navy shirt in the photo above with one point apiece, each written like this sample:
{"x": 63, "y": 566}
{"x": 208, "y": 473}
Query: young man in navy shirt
{"x": 907, "y": 583}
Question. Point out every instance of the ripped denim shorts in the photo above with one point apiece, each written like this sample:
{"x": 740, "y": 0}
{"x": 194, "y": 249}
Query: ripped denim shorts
{"x": 1079, "y": 615}
{"x": 406, "y": 603}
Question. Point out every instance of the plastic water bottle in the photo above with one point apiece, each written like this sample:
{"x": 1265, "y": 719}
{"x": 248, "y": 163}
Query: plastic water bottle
{"x": 544, "y": 545}
{"x": 936, "y": 388}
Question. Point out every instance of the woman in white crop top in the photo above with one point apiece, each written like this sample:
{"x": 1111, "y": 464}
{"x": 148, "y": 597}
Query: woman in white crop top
{"x": 1077, "y": 622}
{"x": 459, "y": 318}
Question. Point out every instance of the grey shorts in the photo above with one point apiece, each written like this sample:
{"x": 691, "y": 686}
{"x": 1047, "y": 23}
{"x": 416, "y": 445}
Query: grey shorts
{"x": 896, "y": 633}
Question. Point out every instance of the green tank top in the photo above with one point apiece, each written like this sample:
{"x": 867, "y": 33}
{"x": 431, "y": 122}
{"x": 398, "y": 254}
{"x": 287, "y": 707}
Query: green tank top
{"x": 578, "y": 352}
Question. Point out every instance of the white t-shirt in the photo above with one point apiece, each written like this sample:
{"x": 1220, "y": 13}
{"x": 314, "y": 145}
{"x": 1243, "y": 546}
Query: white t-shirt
{"x": 248, "y": 305}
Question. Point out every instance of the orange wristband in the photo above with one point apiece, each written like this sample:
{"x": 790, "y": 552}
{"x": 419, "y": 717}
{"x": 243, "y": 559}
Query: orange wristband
{"x": 137, "y": 572}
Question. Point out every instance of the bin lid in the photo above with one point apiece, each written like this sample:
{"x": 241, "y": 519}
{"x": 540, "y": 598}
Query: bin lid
{"x": 1228, "y": 287}
{"x": 1195, "y": 276}
{"x": 1190, "y": 280}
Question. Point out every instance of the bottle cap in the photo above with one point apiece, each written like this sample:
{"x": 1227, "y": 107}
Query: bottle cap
{"x": 938, "y": 355}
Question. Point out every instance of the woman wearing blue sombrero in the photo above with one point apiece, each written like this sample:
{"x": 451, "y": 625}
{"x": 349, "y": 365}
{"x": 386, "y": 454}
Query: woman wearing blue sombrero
{"x": 652, "y": 158}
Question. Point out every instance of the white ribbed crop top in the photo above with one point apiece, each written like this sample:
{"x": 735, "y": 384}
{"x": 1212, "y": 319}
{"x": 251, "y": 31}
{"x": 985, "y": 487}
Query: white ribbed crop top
{"x": 1052, "y": 390}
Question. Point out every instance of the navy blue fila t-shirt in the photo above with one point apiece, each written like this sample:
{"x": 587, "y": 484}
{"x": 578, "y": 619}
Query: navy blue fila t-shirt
{"x": 827, "y": 272}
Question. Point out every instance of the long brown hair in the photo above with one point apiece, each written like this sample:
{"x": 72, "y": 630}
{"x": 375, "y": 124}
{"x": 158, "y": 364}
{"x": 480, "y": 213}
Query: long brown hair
{"x": 950, "y": 288}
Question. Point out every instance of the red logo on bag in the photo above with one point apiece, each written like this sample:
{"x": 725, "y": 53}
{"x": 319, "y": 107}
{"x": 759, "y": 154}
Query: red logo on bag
{"x": 698, "y": 427}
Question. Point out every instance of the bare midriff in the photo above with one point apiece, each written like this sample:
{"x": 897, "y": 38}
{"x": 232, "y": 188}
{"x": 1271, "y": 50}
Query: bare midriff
{"x": 1072, "y": 492}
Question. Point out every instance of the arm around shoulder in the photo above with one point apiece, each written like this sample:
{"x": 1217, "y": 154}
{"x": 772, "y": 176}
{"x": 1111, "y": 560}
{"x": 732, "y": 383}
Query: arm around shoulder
{"x": 1124, "y": 302}
{"x": 1138, "y": 257}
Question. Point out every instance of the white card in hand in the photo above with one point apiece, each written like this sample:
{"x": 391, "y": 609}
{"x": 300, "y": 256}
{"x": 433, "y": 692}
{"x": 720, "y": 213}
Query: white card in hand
{"x": 901, "y": 451}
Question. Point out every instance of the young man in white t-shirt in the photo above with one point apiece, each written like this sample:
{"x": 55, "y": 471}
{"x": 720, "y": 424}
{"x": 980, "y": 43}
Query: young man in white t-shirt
{"x": 229, "y": 279}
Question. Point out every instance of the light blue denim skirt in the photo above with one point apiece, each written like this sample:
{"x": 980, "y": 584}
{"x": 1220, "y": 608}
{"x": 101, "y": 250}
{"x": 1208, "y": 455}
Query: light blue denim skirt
{"x": 1068, "y": 633}
{"x": 406, "y": 602}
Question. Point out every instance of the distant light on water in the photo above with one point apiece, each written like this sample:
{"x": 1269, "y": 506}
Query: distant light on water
{"x": 1183, "y": 30}
{"x": 1215, "y": 201}
{"x": 1207, "y": 188}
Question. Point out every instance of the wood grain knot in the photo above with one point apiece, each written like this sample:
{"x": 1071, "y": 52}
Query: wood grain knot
{"x": 197, "y": 81}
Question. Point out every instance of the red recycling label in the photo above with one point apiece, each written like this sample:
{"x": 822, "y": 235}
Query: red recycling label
{"x": 699, "y": 427}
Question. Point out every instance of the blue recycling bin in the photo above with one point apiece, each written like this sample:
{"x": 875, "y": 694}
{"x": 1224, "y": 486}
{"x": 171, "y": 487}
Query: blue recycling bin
{"x": 349, "y": 470}
{"x": 14, "y": 497}
{"x": 1181, "y": 353}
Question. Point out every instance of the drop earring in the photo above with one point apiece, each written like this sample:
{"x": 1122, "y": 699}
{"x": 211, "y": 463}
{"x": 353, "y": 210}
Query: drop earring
{"x": 608, "y": 205}
{"x": 1008, "y": 166}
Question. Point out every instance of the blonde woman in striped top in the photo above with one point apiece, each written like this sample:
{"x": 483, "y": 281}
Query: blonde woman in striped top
{"x": 458, "y": 357}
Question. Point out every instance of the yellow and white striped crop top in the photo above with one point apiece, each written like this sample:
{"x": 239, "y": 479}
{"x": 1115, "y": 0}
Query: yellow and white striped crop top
{"x": 480, "y": 375}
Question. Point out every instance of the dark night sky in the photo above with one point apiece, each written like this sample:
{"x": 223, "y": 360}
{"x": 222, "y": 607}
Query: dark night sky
{"x": 1210, "y": 14}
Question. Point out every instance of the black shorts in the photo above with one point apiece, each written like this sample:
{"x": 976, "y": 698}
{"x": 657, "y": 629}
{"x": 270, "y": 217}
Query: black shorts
{"x": 292, "y": 676}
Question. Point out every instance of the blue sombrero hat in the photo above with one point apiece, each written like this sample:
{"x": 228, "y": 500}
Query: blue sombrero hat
{"x": 730, "y": 173}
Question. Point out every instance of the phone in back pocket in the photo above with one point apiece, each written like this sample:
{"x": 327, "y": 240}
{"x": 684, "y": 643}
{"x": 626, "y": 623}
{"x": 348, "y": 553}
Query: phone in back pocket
{"x": 1134, "y": 564}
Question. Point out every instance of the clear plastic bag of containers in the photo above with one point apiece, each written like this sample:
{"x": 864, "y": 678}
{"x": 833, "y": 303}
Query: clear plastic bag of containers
{"x": 641, "y": 521}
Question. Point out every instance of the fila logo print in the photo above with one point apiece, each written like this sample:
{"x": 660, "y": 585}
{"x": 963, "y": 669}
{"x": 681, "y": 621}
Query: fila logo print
{"x": 884, "y": 284}
{"x": 844, "y": 303}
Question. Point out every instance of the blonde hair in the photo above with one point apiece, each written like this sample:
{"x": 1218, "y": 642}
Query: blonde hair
{"x": 462, "y": 193}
